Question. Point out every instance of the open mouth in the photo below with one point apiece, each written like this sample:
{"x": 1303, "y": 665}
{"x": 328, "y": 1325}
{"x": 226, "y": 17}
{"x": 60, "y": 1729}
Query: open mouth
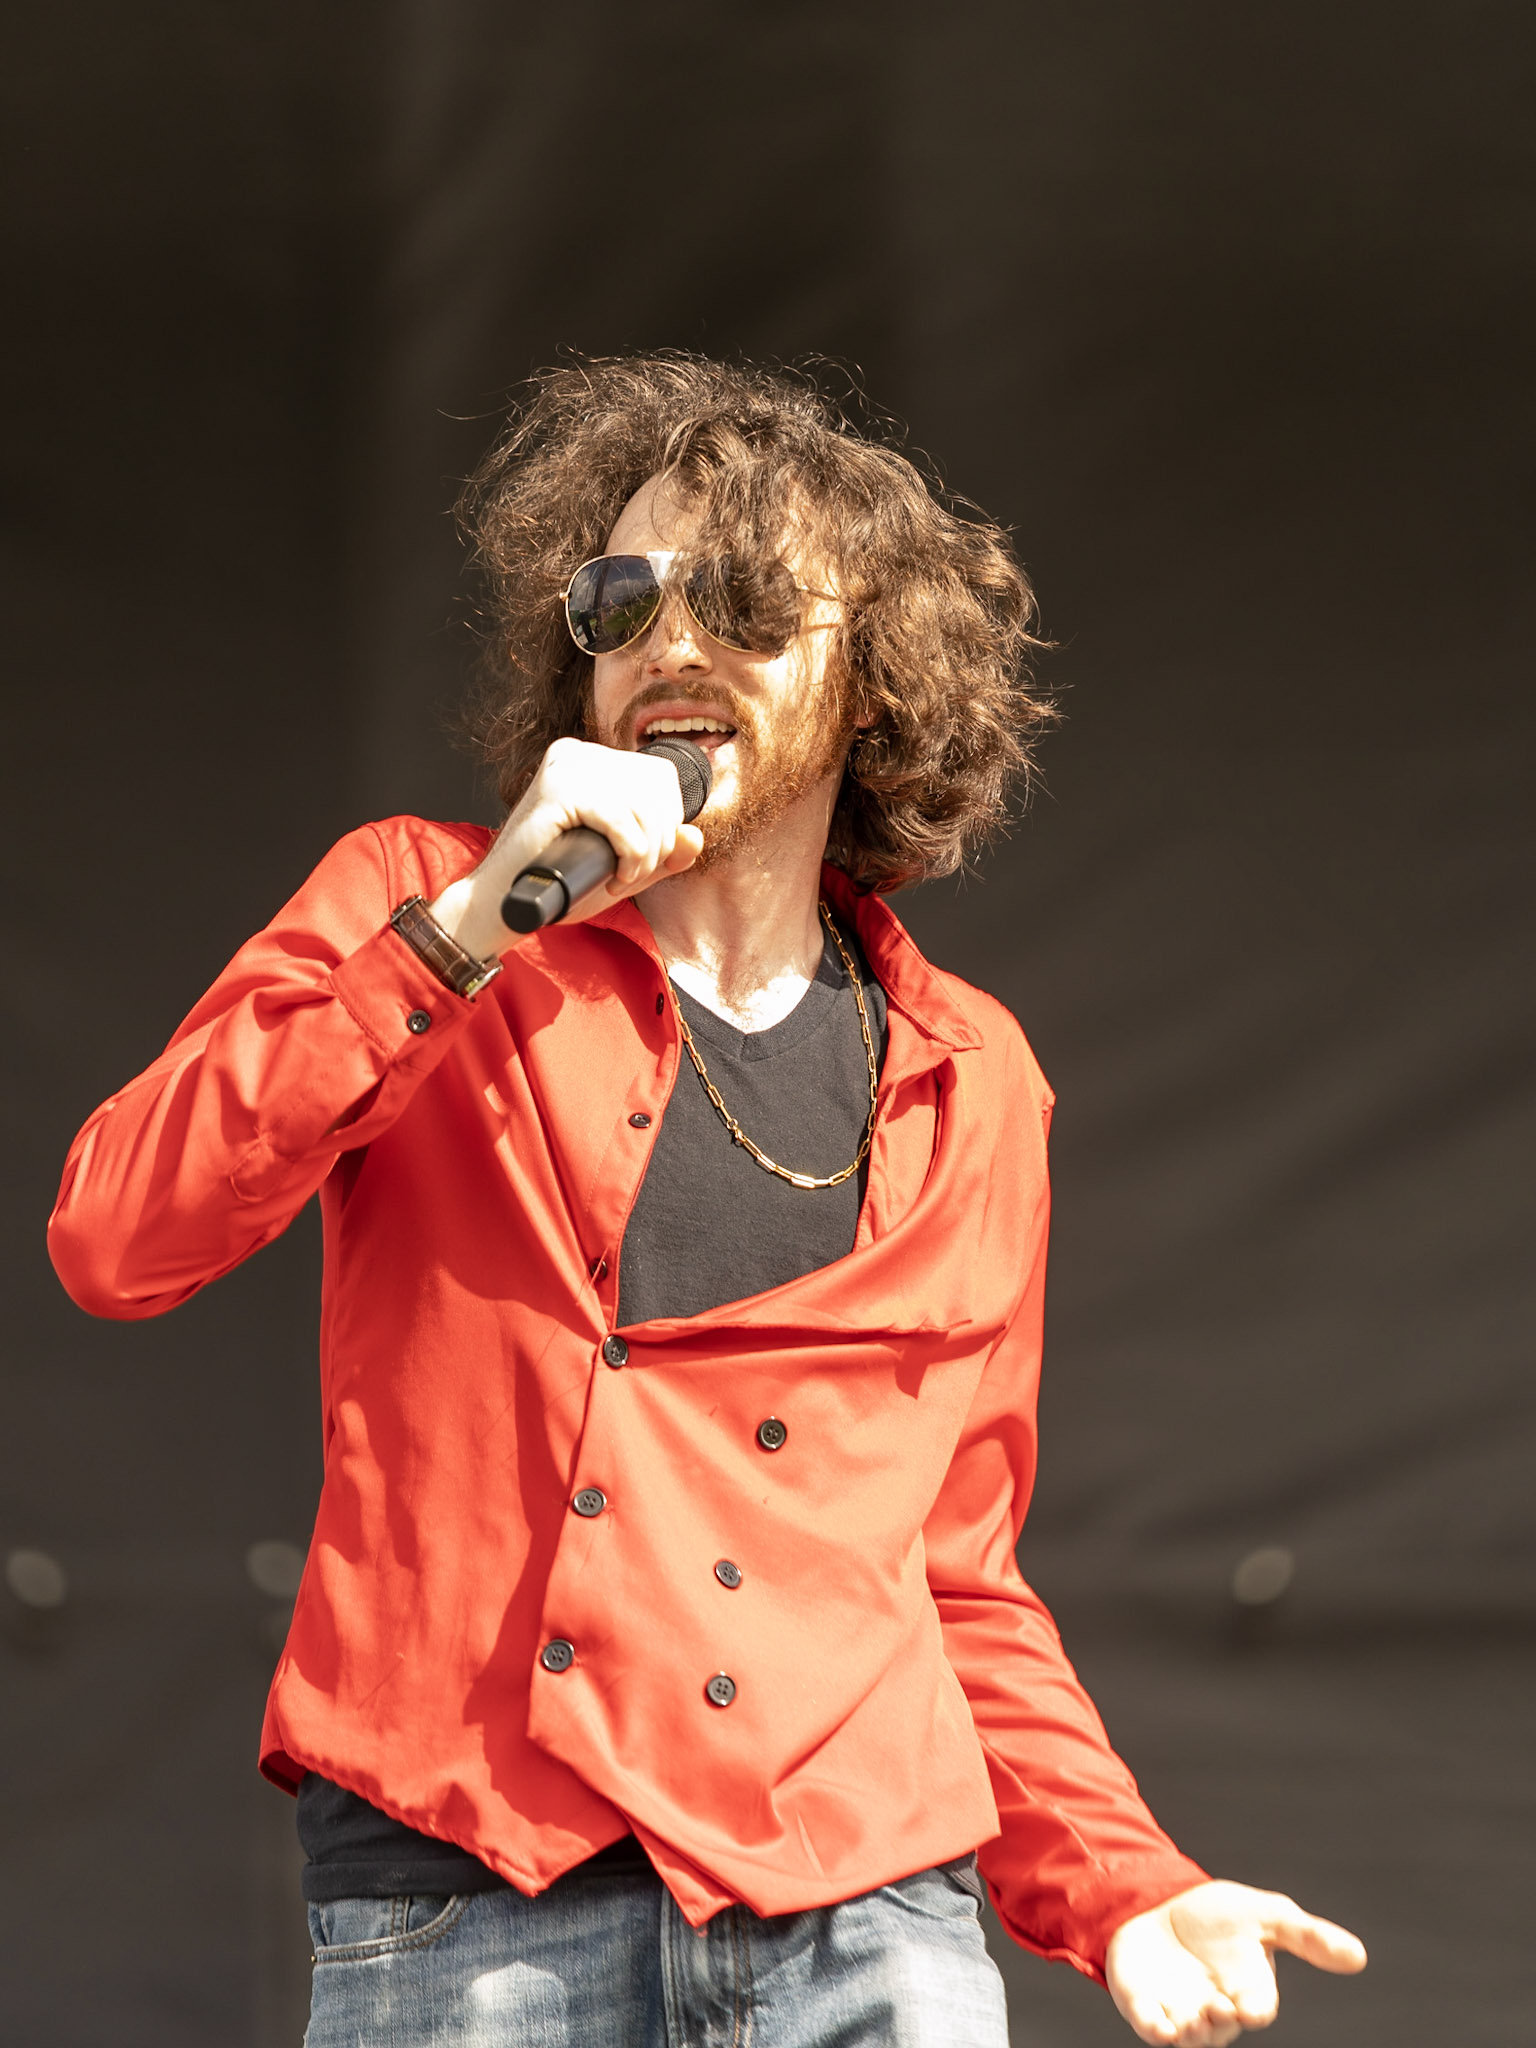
{"x": 709, "y": 733}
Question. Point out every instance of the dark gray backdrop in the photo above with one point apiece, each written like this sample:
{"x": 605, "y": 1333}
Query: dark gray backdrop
{"x": 1228, "y": 313}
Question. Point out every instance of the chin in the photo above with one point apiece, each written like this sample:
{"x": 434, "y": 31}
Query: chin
{"x": 723, "y": 840}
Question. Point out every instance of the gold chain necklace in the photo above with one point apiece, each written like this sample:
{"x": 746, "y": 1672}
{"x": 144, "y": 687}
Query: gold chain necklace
{"x": 797, "y": 1180}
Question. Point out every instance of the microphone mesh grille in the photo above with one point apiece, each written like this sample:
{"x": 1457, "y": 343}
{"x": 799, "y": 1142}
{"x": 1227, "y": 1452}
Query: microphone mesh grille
{"x": 694, "y": 774}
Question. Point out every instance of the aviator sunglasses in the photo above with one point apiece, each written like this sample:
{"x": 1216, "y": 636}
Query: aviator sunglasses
{"x": 612, "y": 600}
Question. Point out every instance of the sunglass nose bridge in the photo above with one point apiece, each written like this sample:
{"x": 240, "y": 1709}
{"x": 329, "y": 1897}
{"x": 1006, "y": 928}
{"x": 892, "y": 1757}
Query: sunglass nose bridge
{"x": 672, "y": 615}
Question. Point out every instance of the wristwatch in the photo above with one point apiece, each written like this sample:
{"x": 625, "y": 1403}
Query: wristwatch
{"x": 455, "y": 968}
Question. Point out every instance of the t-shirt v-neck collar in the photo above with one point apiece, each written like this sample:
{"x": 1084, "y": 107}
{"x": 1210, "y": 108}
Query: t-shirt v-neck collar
{"x": 814, "y": 1009}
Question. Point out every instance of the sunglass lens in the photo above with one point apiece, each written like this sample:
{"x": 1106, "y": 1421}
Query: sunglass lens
{"x": 755, "y": 609}
{"x": 611, "y": 602}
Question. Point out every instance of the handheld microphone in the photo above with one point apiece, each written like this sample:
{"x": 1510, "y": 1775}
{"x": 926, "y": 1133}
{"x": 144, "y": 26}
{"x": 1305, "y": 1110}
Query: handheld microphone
{"x": 578, "y": 860}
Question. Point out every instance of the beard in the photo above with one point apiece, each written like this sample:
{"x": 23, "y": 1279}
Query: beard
{"x": 782, "y": 752}
{"x": 778, "y": 761}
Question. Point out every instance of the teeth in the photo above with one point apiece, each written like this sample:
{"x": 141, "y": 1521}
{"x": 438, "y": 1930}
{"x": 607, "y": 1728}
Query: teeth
{"x": 686, "y": 725}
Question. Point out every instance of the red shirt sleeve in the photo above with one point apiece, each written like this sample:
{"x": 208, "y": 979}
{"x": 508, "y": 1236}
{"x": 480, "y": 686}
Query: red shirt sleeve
{"x": 302, "y": 1049}
{"x": 1078, "y": 1852}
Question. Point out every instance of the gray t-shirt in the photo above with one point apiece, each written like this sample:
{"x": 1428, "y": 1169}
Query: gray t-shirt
{"x": 709, "y": 1224}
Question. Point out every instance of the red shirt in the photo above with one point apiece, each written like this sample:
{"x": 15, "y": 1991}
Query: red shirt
{"x": 900, "y": 1694}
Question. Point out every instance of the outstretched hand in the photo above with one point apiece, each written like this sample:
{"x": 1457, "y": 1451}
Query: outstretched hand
{"x": 1199, "y": 1969}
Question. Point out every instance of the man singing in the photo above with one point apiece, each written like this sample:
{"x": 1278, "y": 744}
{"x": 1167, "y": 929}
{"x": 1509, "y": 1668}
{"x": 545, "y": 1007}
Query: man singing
{"x": 661, "y": 1672}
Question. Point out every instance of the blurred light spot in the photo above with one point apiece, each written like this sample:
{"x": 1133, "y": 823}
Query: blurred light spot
{"x": 505, "y": 1994}
{"x": 1263, "y": 1576}
{"x": 275, "y": 1567}
{"x": 36, "y": 1579}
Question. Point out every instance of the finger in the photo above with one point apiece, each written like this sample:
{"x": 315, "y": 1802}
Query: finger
{"x": 1322, "y": 1943}
{"x": 680, "y": 856}
{"x": 658, "y": 837}
{"x": 1255, "y": 1995}
{"x": 660, "y": 818}
{"x": 1245, "y": 1976}
{"x": 620, "y": 827}
{"x": 635, "y": 850}
{"x": 1147, "y": 2018}
{"x": 686, "y": 848}
{"x": 663, "y": 802}
{"x": 1210, "y": 2024}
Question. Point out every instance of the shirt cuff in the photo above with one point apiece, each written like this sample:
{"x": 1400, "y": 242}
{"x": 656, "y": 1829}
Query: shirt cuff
{"x": 396, "y": 1000}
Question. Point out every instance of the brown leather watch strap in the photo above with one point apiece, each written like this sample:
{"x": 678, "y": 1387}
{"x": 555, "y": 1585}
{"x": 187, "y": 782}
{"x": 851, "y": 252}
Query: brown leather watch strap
{"x": 455, "y": 968}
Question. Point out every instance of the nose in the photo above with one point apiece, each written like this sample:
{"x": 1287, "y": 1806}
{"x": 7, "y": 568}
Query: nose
{"x": 675, "y": 645}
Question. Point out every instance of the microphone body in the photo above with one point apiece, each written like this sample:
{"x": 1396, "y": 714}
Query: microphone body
{"x": 581, "y": 858}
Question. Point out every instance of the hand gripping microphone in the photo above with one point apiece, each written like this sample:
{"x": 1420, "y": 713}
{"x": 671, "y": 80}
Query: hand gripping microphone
{"x": 578, "y": 860}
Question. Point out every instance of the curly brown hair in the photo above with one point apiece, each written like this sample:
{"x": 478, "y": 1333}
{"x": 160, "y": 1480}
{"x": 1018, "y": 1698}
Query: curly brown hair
{"x": 932, "y": 652}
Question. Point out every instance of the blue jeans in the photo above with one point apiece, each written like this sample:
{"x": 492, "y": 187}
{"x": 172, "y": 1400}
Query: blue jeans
{"x": 607, "y": 1961}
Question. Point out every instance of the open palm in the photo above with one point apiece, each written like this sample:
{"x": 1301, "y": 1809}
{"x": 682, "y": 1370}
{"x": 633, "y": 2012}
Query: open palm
{"x": 1199, "y": 1969}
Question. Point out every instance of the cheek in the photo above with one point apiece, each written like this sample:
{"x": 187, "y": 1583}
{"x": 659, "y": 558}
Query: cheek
{"x": 806, "y": 703}
{"x": 608, "y": 690}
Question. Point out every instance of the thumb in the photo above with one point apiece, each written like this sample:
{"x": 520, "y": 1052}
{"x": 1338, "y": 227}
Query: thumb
{"x": 1322, "y": 1943}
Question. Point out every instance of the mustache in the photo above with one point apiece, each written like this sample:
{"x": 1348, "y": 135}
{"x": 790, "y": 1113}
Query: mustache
{"x": 724, "y": 699}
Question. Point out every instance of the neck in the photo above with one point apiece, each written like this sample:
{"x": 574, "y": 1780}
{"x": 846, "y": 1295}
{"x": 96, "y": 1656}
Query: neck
{"x": 744, "y": 938}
